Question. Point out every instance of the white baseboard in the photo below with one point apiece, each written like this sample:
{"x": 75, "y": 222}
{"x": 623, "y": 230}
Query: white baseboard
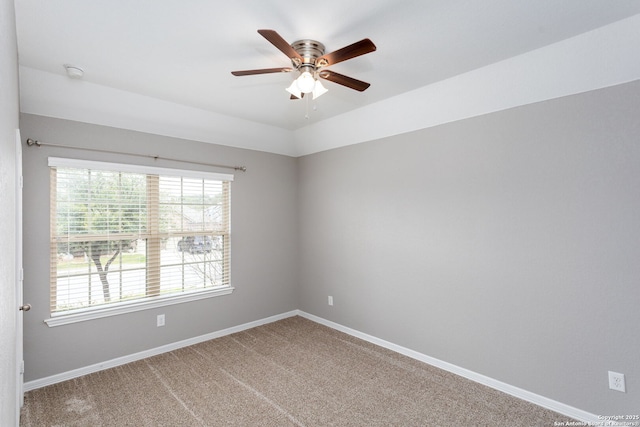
{"x": 561, "y": 408}
{"x": 53, "y": 379}
{"x": 536, "y": 399}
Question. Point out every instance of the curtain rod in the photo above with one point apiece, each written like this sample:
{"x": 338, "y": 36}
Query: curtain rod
{"x": 32, "y": 142}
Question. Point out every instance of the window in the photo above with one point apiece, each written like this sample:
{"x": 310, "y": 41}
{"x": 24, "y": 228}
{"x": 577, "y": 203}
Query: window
{"x": 126, "y": 237}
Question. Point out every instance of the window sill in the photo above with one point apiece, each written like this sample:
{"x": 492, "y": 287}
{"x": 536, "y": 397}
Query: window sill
{"x": 115, "y": 310}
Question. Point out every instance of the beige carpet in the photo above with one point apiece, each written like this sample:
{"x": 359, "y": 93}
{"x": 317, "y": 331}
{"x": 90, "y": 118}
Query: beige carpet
{"x": 293, "y": 372}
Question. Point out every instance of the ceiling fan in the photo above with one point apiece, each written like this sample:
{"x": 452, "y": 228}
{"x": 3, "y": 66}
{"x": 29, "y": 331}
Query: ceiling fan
{"x": 308, "y": 57}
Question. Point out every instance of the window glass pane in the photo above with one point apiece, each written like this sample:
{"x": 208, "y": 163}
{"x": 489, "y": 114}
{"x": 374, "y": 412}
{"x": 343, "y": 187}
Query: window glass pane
{"x": 83, "y": 274}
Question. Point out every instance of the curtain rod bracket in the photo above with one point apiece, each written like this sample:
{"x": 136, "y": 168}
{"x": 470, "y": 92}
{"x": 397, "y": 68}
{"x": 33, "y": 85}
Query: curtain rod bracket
{"x": 31, "y": 142}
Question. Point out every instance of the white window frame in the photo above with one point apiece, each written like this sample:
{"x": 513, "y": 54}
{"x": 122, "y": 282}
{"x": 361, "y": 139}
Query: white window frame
{"x": 113, "y": 309}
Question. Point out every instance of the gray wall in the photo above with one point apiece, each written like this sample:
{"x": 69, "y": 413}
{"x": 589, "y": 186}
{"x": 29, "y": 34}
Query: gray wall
{"x": 8, "y": 124}
{"x": 264, "y": 240}
{"x": 506, "y": 244}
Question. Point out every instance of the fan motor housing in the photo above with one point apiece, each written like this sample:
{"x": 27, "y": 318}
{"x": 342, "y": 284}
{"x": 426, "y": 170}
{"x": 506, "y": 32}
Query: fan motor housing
{"x": 310, "y": 50}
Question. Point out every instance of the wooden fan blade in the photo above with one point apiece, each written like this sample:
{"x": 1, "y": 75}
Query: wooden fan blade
{"x": 356, "y": 49}
{"x": 343, "y": 80}
{"x": 295, "y": 97}
{"x": 261, "y": 71}
{"x": 284, "y": 47}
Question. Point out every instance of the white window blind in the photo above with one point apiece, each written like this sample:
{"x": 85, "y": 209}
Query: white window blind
{"x": 122, "y": 234}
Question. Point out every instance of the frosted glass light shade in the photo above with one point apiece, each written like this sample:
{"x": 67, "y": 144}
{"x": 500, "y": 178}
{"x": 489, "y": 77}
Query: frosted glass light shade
{"x": 306, "y": 82}
{"x": 319, "y": 89}
{"x": 293, "y": 90}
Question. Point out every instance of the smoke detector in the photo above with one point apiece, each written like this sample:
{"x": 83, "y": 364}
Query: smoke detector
{"x": 74, "y": 72}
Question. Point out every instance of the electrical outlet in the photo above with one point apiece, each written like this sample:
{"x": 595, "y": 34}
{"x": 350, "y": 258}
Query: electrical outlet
{"x": 616, "y": 382}
{"x": 160, "y": 320}
{"x": 330, "y": 300}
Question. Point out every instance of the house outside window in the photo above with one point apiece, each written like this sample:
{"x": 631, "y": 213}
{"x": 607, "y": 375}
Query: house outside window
{"x": 126, "y": 238}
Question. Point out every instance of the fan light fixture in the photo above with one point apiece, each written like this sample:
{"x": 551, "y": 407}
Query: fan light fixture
{"x": 306, "y": 83}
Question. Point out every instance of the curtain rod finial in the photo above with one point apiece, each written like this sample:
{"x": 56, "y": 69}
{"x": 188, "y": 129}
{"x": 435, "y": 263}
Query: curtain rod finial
{"x": 31, "y": 142}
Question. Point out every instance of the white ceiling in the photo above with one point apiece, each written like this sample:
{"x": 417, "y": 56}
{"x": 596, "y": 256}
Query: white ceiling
{"x": 163, "y": 66}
